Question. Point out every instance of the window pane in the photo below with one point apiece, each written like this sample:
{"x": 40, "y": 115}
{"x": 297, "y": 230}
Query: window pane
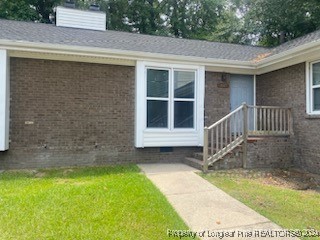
{"x": 183, "y": 114}
{"x": 316, "y": 73}
{"x": 184, "y": 84}
{"x": 316, "y": 99}
{"x": 157, "y": 83}
{"x": 157, "y": 114}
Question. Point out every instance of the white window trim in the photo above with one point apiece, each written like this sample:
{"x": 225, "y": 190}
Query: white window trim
{"x": 170, "y": 133}
{"x": 309, "y": 86}
{"x": 4, "y": 99}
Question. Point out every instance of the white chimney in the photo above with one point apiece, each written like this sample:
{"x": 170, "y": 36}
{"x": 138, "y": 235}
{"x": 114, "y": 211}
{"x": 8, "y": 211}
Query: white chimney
{"x": 74, "y": 18}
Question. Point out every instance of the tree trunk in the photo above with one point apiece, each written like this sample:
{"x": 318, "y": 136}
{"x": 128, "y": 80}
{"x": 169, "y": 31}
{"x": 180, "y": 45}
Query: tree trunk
{"x": 282, "y": 37}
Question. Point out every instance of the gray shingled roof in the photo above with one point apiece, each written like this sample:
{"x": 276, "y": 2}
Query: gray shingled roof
{"x": 311, "y": 37}
{"x": 46, "y": 33}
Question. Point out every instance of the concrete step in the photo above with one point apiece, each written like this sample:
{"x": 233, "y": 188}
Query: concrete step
{"x": 193, "y": 162}
{"x": 199, "y": 155}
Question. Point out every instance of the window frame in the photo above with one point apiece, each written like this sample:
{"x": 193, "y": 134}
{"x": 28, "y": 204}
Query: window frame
{"x": 310, "y": 88}
{"x": 171, "y": 99}
{"x": 167, "y": 99}
{"x": 159, "y": 137}
{"x": 194, "y": 99}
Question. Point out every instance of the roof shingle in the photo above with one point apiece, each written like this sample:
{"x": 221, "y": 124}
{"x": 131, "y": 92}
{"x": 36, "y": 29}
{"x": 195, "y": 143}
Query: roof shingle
{"x": 48, "y": 33}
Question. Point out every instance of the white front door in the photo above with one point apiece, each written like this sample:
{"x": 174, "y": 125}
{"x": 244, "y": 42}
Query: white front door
{"x": 242, "y": 91}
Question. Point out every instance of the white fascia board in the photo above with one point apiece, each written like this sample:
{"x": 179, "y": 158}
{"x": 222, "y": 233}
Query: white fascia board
{"x": 72, "y": 58}
{"x": 232, "y": 70}
{"x": 287, "y": 54}
{"x": 4, "y": 100}
{"x": 122, "y": 54}
{"x": 293, "y": 56}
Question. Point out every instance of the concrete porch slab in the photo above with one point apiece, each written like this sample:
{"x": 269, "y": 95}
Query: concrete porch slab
{"x": 156, "y": 168}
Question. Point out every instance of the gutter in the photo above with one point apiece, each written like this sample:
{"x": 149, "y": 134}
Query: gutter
{"x": 286, "y": 58}
{"x": 289, "y": 54}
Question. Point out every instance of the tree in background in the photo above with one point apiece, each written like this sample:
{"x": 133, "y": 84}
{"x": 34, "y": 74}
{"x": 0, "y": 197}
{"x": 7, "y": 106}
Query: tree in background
{"x": 230, "y": 27}
{"x": 195, "y": 19}
{"x": 27, "y": 10}
{"x": 273, "y": 22}
{"x": 17, "y": 10}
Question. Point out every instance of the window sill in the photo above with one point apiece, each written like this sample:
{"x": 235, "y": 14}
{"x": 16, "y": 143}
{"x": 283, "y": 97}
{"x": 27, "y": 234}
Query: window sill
{"x": 164, "y": 130}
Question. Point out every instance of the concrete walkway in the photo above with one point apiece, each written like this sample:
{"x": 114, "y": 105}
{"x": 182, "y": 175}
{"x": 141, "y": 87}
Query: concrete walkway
{"x": 205, "y": 208}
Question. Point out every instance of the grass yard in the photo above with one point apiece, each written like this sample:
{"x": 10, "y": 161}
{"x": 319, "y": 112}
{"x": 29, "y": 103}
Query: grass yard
{"x": 273, "y": 195}
{"x": 83, "y": 203}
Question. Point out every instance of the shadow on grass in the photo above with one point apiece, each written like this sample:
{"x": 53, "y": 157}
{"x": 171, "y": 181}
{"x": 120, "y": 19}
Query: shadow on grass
{"x": 70, "y": 172}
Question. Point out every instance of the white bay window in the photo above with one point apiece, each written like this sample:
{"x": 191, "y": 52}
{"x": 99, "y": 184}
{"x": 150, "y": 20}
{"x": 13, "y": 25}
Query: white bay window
{"x": 169, "y": 105}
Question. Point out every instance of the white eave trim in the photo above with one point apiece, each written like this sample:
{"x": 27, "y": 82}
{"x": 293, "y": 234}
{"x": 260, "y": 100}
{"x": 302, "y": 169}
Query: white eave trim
{"x": 303, "y": 53}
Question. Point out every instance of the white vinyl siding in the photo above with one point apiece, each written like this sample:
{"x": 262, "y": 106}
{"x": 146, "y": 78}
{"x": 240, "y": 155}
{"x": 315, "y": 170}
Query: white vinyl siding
{"x": 172, "y": 139}
{"x": 74, "y": 18}
{"x": 4, "y": 100}
{"x": 174, "y": 133}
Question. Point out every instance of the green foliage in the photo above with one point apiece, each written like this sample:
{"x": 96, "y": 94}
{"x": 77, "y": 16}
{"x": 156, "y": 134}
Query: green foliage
{"x": 27, "y": 10}
{"x": 144, "y": 16}
{"x": 274, "y": 22}
{"x": 229, "y": 29}
{"x": 17, "y": 10}
{"x": 192, "y": 18}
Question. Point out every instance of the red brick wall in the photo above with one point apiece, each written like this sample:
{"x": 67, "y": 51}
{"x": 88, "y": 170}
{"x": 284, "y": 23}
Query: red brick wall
{"x": 287, "y": 87}
{"x": 82, "y": 114}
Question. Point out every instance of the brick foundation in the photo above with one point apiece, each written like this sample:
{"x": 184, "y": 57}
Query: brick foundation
{"x": 270, "y": 152}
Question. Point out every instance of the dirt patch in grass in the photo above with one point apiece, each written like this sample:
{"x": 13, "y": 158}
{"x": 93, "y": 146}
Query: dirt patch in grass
{"x": 73, "y": 182}
{"x": 292, "y": 178}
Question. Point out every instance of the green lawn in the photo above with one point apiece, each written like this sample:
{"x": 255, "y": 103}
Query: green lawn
{"x": 83, "y": 203}
{"x": 291, "y": 209}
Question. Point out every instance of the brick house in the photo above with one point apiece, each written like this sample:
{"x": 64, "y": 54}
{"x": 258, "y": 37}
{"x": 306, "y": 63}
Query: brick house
{"x": 74, "y": 96}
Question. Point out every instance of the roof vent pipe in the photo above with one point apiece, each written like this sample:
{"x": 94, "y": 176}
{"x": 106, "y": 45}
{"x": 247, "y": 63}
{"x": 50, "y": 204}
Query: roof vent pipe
{"x": 94, "y": 7}
{"x": 69, "y": 4}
